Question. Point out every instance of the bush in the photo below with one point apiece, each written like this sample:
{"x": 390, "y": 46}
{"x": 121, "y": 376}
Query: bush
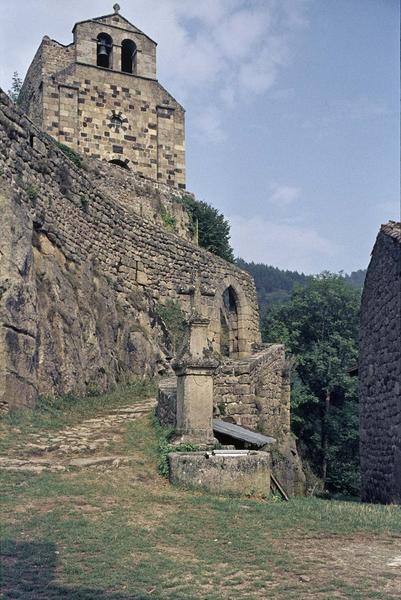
{"x": 213, "y": 230}
{"x": 168, "y": 219}
{"x": 71, "y": 154}
{"x": 174, "y": 320}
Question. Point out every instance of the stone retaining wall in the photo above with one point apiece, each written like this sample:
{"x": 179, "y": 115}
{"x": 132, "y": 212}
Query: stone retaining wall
{"x": 64, "y": 237}
{"x": 255, "y": 392}
{"x": 152, "y": 200}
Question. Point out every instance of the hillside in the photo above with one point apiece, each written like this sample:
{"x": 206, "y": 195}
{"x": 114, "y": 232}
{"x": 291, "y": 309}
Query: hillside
{"x": 274, "y": 285}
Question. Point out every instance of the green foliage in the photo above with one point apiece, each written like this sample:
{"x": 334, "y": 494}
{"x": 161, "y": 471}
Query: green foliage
{"x": 319, "y": 326}
{"x": 71, "y": 154}
{"x": 213, "y": 229}
{"x": 164, "y": 450}
{"x": 15, "y": 89}
{"x": 356, "y": 278}
{"x": 175, "y": 322}
{"x": 84, "y": 202}
{"x": 273, "y": 285}
{"x": 168, "y": 219}
{"x": 32, "y": 192}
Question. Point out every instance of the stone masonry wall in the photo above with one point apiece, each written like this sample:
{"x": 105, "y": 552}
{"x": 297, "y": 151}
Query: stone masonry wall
{"x": 150, "y": 199}
{"x": 87, "y": 239}
{"x": 254, "y": 392}
{"x": 380, "y": 371}
{"x": 106, "y": 113}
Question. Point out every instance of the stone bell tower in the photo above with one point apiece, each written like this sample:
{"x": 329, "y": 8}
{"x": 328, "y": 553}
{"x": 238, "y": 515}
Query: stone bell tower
{"x": 100, "y": 96}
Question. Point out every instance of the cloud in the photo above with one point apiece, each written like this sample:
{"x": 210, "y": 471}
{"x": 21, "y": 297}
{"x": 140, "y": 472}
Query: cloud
{"x": 282, "y": 245}
{"x": 283, "y": 195}
{"x": 213, "y": 54}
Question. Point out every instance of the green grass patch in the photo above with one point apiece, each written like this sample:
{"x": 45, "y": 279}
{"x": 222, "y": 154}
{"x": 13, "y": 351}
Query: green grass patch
{"x": 126, "y": 534}
{"x": 54, "y": 413}
{"x": 71, "y": 154}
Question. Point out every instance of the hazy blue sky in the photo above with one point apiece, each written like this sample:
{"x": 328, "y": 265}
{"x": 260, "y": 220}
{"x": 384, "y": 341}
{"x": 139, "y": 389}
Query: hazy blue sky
{"x": 292, "y": 112}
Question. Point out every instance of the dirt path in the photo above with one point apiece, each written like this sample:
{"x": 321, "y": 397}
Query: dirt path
{"x": 87, "y": 444}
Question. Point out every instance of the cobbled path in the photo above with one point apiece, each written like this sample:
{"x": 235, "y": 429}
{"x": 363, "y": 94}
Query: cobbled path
{"x": 84, "y": 445}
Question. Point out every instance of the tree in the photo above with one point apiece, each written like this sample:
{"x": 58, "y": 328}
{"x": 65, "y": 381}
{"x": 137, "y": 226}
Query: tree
{"x": 16, "y": 86}
{"x": 213, "y": 229}
{"x": 319, "y": 326}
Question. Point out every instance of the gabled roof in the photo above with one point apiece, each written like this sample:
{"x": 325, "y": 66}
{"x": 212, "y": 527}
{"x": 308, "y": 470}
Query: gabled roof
{"x": 104, "y": 18}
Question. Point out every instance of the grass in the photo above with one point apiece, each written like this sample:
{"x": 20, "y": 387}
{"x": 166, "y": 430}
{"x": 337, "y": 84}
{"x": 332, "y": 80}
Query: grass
{"x": 127, "y": 534}
{"x": 52, "y": 414}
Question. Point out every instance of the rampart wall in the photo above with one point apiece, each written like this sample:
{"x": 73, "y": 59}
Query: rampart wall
{"x": 76, "y": 263}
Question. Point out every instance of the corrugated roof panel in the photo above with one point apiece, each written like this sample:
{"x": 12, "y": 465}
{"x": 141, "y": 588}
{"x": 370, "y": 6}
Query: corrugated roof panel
{"x": 240, "y": 433}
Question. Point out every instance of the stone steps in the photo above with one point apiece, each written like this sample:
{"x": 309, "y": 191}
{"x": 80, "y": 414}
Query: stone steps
{"x": 80, "y": 446}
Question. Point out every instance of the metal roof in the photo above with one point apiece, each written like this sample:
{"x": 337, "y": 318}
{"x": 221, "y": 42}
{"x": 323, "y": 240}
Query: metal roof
{"x": 240, "y": 433}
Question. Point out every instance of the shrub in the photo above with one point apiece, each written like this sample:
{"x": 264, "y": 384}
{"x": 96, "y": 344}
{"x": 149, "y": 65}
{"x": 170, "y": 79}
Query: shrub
{"x": 175, "y": 322}
{"x": 168, "y": 219}
{"x": 71, "y": 154}
{"x": 32, "y": 192}
{"x": 84, "y": 202}
{"x": 213, "y": 229}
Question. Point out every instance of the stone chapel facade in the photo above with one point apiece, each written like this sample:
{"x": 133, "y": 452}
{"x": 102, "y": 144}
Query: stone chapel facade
{"x": 99, "y": 95}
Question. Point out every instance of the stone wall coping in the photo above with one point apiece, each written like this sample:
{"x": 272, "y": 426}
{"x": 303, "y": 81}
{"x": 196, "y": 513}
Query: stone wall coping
{"x": 247, "y": 365}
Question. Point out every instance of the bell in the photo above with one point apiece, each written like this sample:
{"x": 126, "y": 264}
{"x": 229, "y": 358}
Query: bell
{"x": 102, "y": 50}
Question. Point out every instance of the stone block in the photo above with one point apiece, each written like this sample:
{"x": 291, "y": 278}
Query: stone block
{"x": 240, "y": 472}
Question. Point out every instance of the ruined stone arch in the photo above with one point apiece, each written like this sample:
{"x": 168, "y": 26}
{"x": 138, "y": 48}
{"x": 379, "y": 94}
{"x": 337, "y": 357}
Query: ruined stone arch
{"x": 232, "y": 319}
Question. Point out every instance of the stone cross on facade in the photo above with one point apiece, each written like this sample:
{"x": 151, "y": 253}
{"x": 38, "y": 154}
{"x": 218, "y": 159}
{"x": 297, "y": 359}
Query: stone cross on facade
{"x": 196, "y": 292}
{"x": 194, "y": 370}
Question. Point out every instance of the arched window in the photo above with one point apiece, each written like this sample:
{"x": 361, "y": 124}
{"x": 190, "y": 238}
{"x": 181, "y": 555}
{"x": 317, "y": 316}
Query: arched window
{"x": 128, "y": 56}
{"x": 119, "y": 163}
{"x": 104, "y": 49}
{"x": 229, "y": 323}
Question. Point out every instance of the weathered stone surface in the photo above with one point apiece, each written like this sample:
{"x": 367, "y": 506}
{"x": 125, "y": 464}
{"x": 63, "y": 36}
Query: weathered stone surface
{"x": 243, "y": 472}
{"x": 108, "y": 112}
{"x": 81, "y": 277}
{"x": 380, "y": 370}
{"x": 83, "y": 445}
{"x": 265, "y": 408}
{"x": 166, "y": 408}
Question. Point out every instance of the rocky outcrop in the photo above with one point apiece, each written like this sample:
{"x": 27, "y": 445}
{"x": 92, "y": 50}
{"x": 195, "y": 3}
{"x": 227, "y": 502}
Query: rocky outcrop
{"x": 65, "y": 329}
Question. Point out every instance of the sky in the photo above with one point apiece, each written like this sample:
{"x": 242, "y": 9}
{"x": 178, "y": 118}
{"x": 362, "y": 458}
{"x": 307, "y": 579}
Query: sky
{"x": 292, "y": 112}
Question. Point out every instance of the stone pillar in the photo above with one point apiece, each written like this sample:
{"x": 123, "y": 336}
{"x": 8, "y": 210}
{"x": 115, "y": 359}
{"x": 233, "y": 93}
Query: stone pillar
{"x": 194, "y": 372}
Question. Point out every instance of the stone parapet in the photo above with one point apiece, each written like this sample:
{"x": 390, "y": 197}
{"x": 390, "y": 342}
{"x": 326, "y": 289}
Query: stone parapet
{"x": 255, "y": 392}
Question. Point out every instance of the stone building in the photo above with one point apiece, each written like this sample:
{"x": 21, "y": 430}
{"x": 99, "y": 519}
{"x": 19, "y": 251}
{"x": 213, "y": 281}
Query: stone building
{"x": 89, "y": 262}
{"x": 100, "y": 96}
{"x": 380, "y": 370}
